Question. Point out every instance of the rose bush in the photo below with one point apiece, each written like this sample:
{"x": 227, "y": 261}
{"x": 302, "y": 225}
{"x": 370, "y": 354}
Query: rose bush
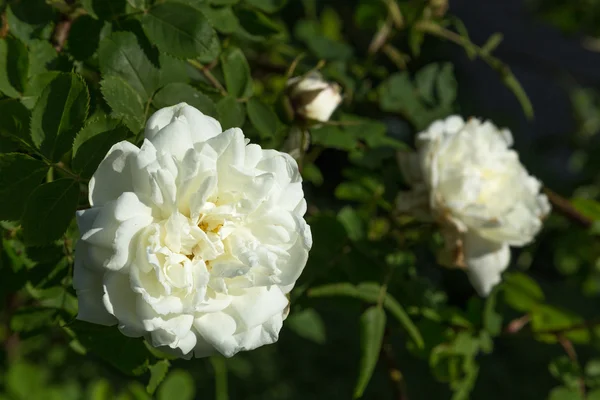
{"x": 193, "y": 240}
{"x": 190, "y": 238}
{"x": 465, "y": 175}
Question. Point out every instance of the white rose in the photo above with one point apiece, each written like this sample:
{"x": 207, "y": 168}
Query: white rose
{"x": 193, "y": 240}
{"x": 313, "y": 97}
{"x": 468, "y": 178}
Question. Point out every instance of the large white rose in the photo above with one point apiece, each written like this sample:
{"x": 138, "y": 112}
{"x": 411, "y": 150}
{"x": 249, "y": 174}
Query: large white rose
{"x": 465, "y": 175}
{"x": 192, "y": 240}
{"x": 313, "y": 97}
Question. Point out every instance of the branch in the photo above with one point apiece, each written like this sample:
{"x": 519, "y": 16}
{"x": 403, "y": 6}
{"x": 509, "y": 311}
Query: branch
{"x": 394, "y": 373}
{"x": 566, "y": 209}
{"x": 572, "y": 354}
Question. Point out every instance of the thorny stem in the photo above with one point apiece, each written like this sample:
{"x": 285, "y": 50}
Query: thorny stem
{"x": 206, "y": 72}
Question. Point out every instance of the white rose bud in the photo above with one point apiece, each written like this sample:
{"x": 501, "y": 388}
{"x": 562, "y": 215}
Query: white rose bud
{"x": 193, "y": 240}
{"x": 312, "y": 97}
{"x": 470, "y": 180}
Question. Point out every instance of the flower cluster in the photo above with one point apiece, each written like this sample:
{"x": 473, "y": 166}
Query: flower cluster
{"x": 194, "y": 240}
{"x": 465, "y": 175}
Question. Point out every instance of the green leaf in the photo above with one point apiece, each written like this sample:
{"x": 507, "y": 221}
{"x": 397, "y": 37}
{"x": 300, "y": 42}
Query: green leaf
{"x": 26, "y": 381}
{"x": 104, "y": 9}
{"x": 158, "y": 372}
{"x": 180, "y": 30}
{"x": 14, "y": 65}
{"x": 593, "y": 395}
{"x": 262, "y": 117}
{"x": 172, "y": 70}
{"x": 223, "y": 2}
{"x": 546, "y": 317}
{"x": 446, "y": 85}
{"x": 312, "y": 174}
{"x": 308, "y": 325}
{"x": 7, "y": 145}
{"x": 372, "y": 327}
{"x": 563, "y": 393}
{"x": 237, "y": 73}
{"x": 30, "y": 19}
{"x": 20, "y": 174}
{"x": 93, "y": 127}
{"x": 396, "y": 92}
{"x": 14, "y": 120}
{"x": 178, "y": 385}
{"x": 35, "y": 88}
{"x": 32, "y": 318}
{"x": 124, "y": 101}
{"x": 371, "y": 293}
{"x": 353, "y": 191}
{"x": 588, "y": 207}
{"x": 425, "y": 81}
{"x": 333, "y": 137}
{"x": 129, "y": 355}
{"x": 99, "y": 390}
{"x": 84, "y": 37}
{"x": 180, "y": 92}
{"x": 592, "y": 373}
{"x": 59, "y": 114}
{"x": 521, "y": 292}
{"x": 92, "y": 151}
{"x": 352, "y": 222}
{"x": 120, "y": 54}
{"x": 492, "y": 319}
{"x": 391, "y": 305}
{"x": 49, "y": 211}
{"x": 256, "y": 25}
{"x": 268, "y": 6}
{"x": 41, "y": 53}
{"x": 565, "y": 370}
{"x": 223, "y": 19}
{"x": 232, "y": 114}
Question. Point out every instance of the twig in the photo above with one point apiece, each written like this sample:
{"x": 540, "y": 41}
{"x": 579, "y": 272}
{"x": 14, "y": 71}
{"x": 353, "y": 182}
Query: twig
{"x": 517, "y": 324}
{"x": 572, "y": 354}
{"x": 566, "y": 209}
{"x": 4, "y": 22}
{"x": 211, "y": 78}
{"x": 61, "y": 33}
{"x": 394, "y": 373}
{"x": 501, "y": 68}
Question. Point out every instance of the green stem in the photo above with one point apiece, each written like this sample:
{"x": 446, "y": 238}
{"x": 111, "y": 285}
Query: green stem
{"x": 221, "y": 387}
{"x": 50, "y": 175}
{"x": 211, "y": 78}
{"x": 505, "y": 73}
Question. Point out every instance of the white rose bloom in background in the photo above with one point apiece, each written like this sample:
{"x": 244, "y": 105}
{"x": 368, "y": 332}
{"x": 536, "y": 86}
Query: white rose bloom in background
{"x": 313, "y": 97}
{"x": 193, "y": 240}
{"x": 466, "y": 177}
